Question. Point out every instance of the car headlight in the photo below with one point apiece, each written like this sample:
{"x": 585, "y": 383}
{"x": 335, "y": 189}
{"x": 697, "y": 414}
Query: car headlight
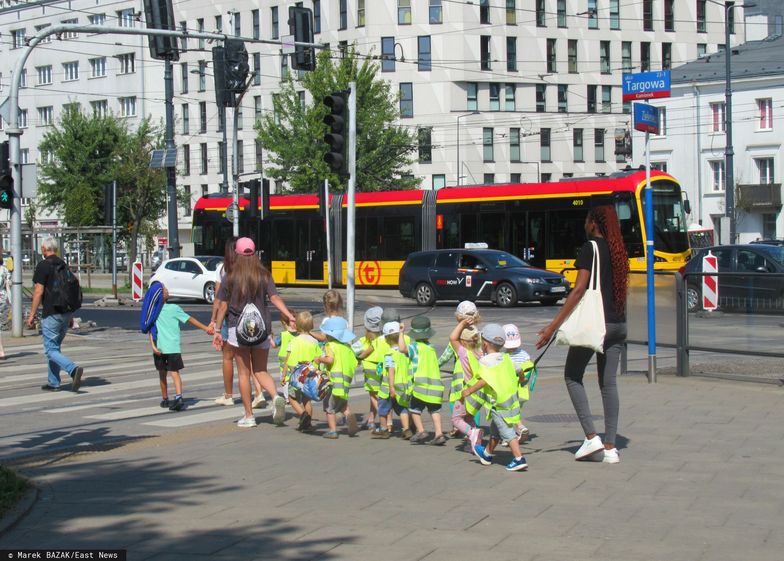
{"x": 534, "y": 280}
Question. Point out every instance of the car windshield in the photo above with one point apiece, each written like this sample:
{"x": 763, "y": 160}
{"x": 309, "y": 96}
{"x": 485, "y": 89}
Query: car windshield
{"x": 503, "y": 260}
{"x": 210, "y": 263}
{"x": 775, "y": 252}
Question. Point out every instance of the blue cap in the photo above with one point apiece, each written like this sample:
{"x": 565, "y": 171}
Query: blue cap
{"x": 337, "y": 328}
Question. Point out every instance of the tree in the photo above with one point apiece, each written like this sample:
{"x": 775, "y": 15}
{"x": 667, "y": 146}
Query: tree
{"x": 292, "y": 134}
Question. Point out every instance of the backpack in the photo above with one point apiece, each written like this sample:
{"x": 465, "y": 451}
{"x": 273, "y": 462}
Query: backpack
{"x": 63, "y": 291}
{"x": 251, "y": 328}
{"x": 151, "y": 308}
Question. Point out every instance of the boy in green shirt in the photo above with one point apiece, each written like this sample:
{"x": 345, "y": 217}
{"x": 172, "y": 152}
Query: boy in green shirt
{"x": 166, "y": 349}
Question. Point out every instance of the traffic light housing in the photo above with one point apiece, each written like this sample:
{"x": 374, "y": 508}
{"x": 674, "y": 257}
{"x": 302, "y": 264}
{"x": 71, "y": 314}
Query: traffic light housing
{"x": 301, "y": 27}
{"x": 253, "y": 195}
{"x": 6, "y": 179}
{"x": 336, "y": 136}
{"x": 230, "y": 69}
{"x": 265, "y": 198}
{"x": 219, "y": 75}
{"x": 158, "y": 14}
{"x": 323, "y": 205}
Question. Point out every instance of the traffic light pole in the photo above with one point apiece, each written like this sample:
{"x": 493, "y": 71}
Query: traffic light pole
{"x": 351, "y": 210}
{"x": 171, "y": 173}
{"x": 235, "y": 162}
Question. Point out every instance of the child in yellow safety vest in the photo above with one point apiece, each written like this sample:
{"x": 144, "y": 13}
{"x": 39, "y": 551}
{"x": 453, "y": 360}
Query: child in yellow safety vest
{"x": 497, "y": 377}
{"x": 466, "y": 340}
{"x": 367, "y": 350}
{"x": 303, "y": 348}
{"x": 524, "y": 367}
{"x": 340, "y": 362}
{"x": 427, "y": 388}
{"x": 395, "y": 391}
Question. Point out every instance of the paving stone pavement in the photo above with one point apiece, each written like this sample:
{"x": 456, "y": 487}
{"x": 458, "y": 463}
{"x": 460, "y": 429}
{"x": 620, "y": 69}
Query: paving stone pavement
{"x": 701, "y": 478}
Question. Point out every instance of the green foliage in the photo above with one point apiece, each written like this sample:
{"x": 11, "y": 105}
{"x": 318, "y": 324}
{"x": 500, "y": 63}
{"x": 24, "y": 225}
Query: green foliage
{"x": 292, "y": 135}
{"x": 12, "y": 487}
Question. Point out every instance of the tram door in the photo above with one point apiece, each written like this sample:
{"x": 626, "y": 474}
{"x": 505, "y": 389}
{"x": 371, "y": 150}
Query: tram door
{"x": 310, "y": 250}
{"x": 535, "y": 248}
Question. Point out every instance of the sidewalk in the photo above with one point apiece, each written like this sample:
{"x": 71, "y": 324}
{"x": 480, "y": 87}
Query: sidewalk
{"x": 701, "y": 478}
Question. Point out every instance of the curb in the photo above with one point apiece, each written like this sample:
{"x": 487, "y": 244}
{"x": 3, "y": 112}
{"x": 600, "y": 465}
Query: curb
{"x": 19, "y": 510}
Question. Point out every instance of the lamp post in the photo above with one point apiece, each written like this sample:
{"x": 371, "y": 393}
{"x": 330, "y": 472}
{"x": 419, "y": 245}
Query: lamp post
{"x": 457, "y": 149}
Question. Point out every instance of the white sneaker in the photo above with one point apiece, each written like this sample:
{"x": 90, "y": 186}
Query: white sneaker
{"x": 223, "y": 400}
{"x": 246, "y": 422}
{"x": 589, "y": 447}
{"x": 258, "y": 402}
{"x": 611, "y": 456}
{"x": 280, "y": 410}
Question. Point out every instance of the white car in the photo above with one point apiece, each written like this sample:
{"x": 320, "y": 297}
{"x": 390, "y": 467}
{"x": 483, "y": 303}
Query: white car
{"x": 190, "y": 277}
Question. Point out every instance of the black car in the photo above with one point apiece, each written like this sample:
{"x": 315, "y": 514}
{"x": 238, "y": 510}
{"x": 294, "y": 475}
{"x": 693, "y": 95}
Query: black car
{"x": 769, "y": 242}
{"x": 741, "y": 291}
{"x": 478, "y": 274}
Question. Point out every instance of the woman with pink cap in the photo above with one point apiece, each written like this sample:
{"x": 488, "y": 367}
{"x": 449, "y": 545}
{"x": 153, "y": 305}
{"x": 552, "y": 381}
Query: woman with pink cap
{"x": 249, "y": 282}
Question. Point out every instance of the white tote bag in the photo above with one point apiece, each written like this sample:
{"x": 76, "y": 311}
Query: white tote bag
{"x": 585, "y": 325}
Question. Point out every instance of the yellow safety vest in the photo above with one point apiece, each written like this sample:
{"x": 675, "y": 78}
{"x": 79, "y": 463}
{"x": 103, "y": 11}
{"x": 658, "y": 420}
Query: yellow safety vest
{"x": 341, "y": 372}
{"x": 502, "y": 387}
{"x": 457, "y": 378}
{"x": 285, "y": 338}
{"x": 427, "y": 384}
{"x": 402, "y": 379}
{"x": 302, "y": 350}
{"x": 477, "y": 400}
{"x": 523, "y": 391}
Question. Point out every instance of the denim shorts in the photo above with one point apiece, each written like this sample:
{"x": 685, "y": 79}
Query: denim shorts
{"x": 225, "y": 329}
{"x": 390, "y": 404}
{"x": 499, "y": 429}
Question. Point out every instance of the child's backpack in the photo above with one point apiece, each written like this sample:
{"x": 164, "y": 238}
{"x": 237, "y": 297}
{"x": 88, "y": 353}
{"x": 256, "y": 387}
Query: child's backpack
{"x": 63, "y": 290}
{"x": 151, "y": 308}
{"x": 306, "y": 378}
{"x": 251, "y": 328}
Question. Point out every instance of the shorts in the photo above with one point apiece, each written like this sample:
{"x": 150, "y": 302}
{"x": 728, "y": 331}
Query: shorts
{"x": 232, "y": 340}
{"x": 499, "y": 429}
{"x": 418, "y": 406}
{"x": 334, "y": 404}
{"x": 390, "y": 404}
{"x": 171, "y": 362}
{"x": 225, "y": 329}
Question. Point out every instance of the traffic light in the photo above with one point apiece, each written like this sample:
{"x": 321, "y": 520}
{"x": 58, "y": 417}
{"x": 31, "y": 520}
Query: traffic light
{"x": 230, "y": 69}
{"x": 158, "y": 14}
{"x": 253, "y": 195}
{"x": 337, "y": 132}
{"x": 301, "y": 27}
{"x": 219, "y": 75}
{"x": 265, "y": 198}
{"x": 6, "y": 179}
{"x": 323, "y": 205}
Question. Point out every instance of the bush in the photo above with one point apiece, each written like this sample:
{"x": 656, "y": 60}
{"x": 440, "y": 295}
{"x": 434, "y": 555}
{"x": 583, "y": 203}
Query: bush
{"x": 12, "y": 487}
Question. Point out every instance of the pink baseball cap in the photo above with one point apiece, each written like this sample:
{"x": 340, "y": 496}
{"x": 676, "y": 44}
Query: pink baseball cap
{"x": 245, "y": 246}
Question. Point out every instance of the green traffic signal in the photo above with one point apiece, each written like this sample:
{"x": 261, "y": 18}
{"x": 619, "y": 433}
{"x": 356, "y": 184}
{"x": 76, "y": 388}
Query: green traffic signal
{"x": 6, "y": 191}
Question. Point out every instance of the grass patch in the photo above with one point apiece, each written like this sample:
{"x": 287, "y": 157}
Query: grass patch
{"x": 12, "y": 487}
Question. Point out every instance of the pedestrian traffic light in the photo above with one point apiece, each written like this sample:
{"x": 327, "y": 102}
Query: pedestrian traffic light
{"x": 253, "y": 195}
{"x": 301, "y": 27}
{"x": 158, "y": 14}
{"x": 6, "y": 179}
{"x": 236, "y": 69}
{"x": 337, "y": 130}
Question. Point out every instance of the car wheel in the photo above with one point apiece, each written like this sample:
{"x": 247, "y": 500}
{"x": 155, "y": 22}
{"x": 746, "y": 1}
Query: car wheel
{"x": 549, "y": 301}
{"x": 506, "y": 295}
{"x": 693, "y": 298}
{"x": 424, "y": 295}
{"x": 209, "y": 292}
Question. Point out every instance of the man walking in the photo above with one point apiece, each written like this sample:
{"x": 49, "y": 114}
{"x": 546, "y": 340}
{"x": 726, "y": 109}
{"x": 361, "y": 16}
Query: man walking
{"x": 55, "y": 322}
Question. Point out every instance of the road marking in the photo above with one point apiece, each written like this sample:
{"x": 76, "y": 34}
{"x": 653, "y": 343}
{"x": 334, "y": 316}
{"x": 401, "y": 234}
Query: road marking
{"x": 218, "y": 415}
{"x": 147, "y": 411}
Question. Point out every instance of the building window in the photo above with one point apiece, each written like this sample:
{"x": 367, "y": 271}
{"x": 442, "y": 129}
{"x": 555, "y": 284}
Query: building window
{"x": 510, "y": 104}
{"x": 96, "y": 19}
{"x": 404, "y": 12}
{"x": 186, "y": 159}
{"x": 511, "y": 54}
{"x": 541, "y": 98}
{"x": 256, "y": 107}
{"x": 100, "y": 108}
{"x": 669, "y": 15}
{"x": 662, "y": 121}
{"x": 202, "y": 116}
{"x": 255, "y": 23}
{"x": 220, "y": 157}
{"x": 577, "y": 144}
{"x": 202, "y": 75}
{"x": 593, "y": 15}
{"x": 544, "y": 145}
{"x": 203, "y": 158}
{"x": 184, "y": 77}
{"x": 406, "y": 100}
{"x": 590, "y": 97}
{"x": 186, "y": 207}
{"x": 551, "y": 56}
{"x": 472, "y": 94}
{"x": 666, "y": 56}
{"x": 18, "y": 38}
{"x": 128, "y": 106}
{"x": 275, "y": 22}
{"x": 221, "y": 118}
{"x": 515, "y": 178}
{"x": 645, "y": 57}
{"x": 360, "y": 13}
{"x": 487, "y": 144}
{"x": 717, "y": 174}
{"x": 127, "y": 63}
{"x": 495, "y": 96}
{"x": 718, "y": 122}
{"x": 48, "y": 38}
{"x": 435, "y": 14}
{"x": 439, "y": 181}
{"x": 765, "y": 168}
{"x": 660, "y": 166}
{"x": 702, "y": 25}
{"x": 606, "y": 99}
{"x": 45, "y": 115}
{"x": 259, "y": 158}
{"x": 126, "y": 18}
{"x": 572, "y": 55}
{"x": 514, "y": 145}
{"x": 22, "y": 116}
{"x": 424, "y": 53}
{"x": 511, "y": 12}
{"x": 563, "y": 101}
{"x": 183, "y": 40}
{"x": 256, "y": 69}
{"x": 70, "y": 71}
{"x": 219, "y": 24}
{"x": 284, "y": 66}
{"x": 484, "y": 11}
{"x": 44, "y": 75}
{"x": 647, "y": 15}
{"x": 598, "y": 145}
{"x": 604, "y": 56}
{"x": 343, "y": 12}
{"x": 200, "y": 28}
{"x": 765, "y": 108}
{"x": 240, "y": 157}
{"x": 204, "y": 190}
{"x": 485, "y": 52}
{"x": 186, "y": 119}
{"x": 702, "y": 50}
{"x": 626, "y": 57}
{"x": 425, "y": 145}
{"x": 615, "y": 14}
{"x": 488, "y": 179}
{"x": 769, "y": 224}
{"x": 70, "y": 34}
{"x": 316, "y": 16}
{"x": 541, "y": 14}
{"x": 561, "y": 13}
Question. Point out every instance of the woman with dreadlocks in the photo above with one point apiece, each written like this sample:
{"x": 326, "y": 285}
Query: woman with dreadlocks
{"x": 602, "y": 227}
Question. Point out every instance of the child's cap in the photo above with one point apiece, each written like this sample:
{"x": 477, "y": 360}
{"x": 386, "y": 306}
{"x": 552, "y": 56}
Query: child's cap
{"x": 466, "y": 309}
{"x": 470, "y": 333}
{"x": 420, "y": 328}
{"x": 512, "y": 334}
{"x": 244, "y": 246}
{"x": 373, "y": 319}
{"x": 390, "y": 314}
{"x": 391, "y": 328}
{"x": 494, "y": 333}
{"x": 337, "y": 328}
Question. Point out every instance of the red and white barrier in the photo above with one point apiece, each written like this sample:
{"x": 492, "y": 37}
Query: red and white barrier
{"x": 710, "y": 283}
{"x": 136, "y": 281}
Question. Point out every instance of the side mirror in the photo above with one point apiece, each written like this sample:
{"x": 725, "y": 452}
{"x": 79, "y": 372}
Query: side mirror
{"x": 686, "y": 206}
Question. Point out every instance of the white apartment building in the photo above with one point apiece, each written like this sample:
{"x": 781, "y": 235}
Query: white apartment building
{"x": 694, "y": 138}
{"x": 498, "y": 90}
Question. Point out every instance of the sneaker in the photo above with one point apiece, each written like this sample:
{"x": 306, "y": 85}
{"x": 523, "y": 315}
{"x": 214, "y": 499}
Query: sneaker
{"x": 589, "y": 447}
{"x": 475, "y": 436}
{"x": 246, "y": 422}
{"x": 304, "y": 421}
{"x": 280, "y": 410}
{"x": 419, "y": 438}
{"x": 308, "y": 428}
{"x": 517, "y": 465}
{"x": 48, "y": 388}
{"x": 407, "y": 434}
{"x": 611, "y": 456}
{"x": 379, "y": 433}
{"x": 223, "y": 400}
{"x": 331, "y": 435}
{"x": 440, "y": 440}
{"x": 351, "y": 423}
{"x": 260, "y": 403}
{"x": 454, "y": 433}
{"x": 485, "y": 458}
{"x": 165, "y": 403}
{"x": 77, "y": 378}
{"x": 177, "y": 405}
{"x": 368, "y": 424}
{"x": 522, "y": 431}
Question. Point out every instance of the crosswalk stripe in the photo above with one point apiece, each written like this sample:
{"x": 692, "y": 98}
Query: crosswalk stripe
{"x": 181, "y": 420}
{"x": 147, "y": 411}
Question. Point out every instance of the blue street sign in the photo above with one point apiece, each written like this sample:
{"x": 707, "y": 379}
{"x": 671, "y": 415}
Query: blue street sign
{"x": 646, "y": 85}
{"x": 646, "y": 118}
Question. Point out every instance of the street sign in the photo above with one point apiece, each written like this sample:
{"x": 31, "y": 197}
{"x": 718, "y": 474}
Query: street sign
{"x": 231, "y": 210}
{"x": 646, "y": 118}
{"x": 646, "y": 85}
{"x": 288, "y": 44}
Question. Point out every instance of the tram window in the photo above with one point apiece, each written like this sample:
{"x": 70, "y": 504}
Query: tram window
{"x": 285, "y": 239}
{"x": 398, "y": 239}
{"x": 451, "y": 230}
{"x": 367, "y": 238}
{"x": 567, "y": 234}
{"x": 492, "y": 228}
{"x": 469, "y": 231}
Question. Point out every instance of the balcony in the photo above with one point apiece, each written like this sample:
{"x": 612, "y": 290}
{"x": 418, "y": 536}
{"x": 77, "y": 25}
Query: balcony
{"x": 759, "y": 197}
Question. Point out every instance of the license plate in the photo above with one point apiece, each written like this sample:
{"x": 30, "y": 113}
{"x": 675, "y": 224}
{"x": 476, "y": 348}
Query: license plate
{"x": 558, "y": 289}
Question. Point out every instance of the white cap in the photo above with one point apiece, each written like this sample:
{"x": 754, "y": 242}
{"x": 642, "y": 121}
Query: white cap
{"x": 391, "y": 327}
{"x": 466, "y": 309}
{"x": 513, "y": 339}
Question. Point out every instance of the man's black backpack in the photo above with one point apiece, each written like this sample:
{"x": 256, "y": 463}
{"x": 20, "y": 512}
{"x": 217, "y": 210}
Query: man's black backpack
{"x": 64, "y": 292}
